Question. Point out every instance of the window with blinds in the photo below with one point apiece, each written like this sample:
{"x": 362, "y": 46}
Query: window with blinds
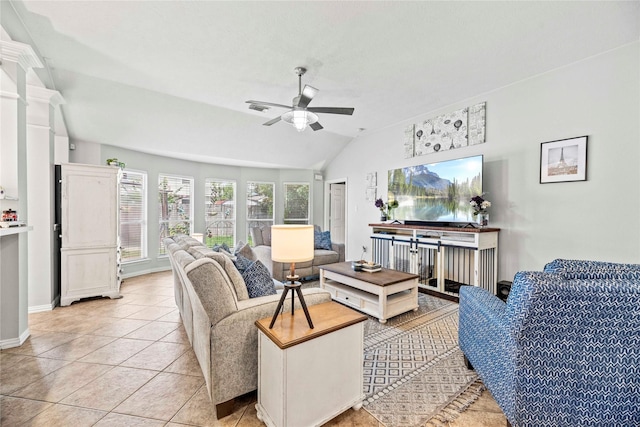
{"x": 175, "y": 207}
{"x": 133, "y": 216}
{"x": 220, "y": 212}
{"x": 296, "y": 203}
{"x": 260, "y": 205}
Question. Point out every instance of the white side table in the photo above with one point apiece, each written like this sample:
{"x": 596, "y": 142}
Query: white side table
{"x": 307, "y": 376}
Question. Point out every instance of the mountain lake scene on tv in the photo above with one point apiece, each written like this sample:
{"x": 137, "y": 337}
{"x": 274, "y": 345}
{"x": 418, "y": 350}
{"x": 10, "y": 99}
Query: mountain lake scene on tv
{"x": 437, "y": 191}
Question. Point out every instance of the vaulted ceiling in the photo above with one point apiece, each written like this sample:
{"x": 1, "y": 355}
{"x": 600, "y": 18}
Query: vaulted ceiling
{"x": 172, "y": 77}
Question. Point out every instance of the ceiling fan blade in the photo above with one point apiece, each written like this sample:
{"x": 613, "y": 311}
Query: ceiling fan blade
{"x": 332, "y": 110}
{"x": 307, "y": 95}
{"x": 316, "y": 126}
{"x": 271, "y": 104}
{"x": 272, "y": 121}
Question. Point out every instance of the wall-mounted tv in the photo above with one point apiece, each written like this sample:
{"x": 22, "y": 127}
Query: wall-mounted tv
{"x": 436, "y": 192}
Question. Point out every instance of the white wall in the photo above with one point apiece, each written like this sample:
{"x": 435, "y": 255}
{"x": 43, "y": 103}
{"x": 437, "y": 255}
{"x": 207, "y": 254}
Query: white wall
{"x": 596, "y": 219}
{"x": 87, "y": 153}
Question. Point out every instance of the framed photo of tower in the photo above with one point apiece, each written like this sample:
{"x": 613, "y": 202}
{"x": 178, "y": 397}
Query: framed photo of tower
{"x": 563, "y": 160}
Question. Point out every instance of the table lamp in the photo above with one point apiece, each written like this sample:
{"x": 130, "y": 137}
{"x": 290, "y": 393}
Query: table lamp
{"x": 292, "y": 243}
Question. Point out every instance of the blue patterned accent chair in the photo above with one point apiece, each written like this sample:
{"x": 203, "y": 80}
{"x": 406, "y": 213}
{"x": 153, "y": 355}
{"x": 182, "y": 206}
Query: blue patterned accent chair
{"x": 564, "y": 350}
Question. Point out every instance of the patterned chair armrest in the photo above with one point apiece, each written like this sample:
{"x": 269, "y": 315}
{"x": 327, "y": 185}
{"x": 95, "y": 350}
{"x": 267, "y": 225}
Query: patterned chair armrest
{"x": 579, "y": 338}
{"x": 484, "y": 337}
{"x": 580, "y": 269}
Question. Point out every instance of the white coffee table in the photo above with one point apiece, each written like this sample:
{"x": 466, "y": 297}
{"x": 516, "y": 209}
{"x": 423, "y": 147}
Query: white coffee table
{"x": 384, "y": 294}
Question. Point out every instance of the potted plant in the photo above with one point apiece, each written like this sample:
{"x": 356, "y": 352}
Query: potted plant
{"x": 114, "y": 162}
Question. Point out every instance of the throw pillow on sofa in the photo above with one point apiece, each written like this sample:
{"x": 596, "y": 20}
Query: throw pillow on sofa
{"x": 245, "y": 250}
{"x": 242, "y": 263}
{"x": 322, "y": 240}
{"x": 258, "y": 280}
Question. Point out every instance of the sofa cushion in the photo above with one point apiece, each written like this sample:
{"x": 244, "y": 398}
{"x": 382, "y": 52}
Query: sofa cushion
{"x": 322, "y": 257}
{"x": 182, "y": 258}
{"x": 322, "y": 240}
{"x": 185, "y": 241}
{"x": 212, "y": 288}
{"x": 258, "y": 280}
{"x": 230, "y": 269}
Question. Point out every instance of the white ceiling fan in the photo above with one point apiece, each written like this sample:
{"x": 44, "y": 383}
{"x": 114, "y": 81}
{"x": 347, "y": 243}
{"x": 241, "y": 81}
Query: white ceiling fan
{"x": 299, "y": 115}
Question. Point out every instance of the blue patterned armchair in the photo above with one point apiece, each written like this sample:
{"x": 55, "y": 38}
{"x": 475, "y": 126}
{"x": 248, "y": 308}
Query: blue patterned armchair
{"x": 565, "y": 348}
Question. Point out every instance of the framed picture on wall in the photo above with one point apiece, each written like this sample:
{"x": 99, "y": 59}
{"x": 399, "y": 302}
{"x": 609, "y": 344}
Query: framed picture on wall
{"x": 564, "y": 160}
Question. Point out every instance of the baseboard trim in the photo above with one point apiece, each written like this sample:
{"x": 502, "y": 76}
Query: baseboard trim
{"x": 15, "y": 342}
{"x": 146, "y": 271}
{"x": 40, "y": 308}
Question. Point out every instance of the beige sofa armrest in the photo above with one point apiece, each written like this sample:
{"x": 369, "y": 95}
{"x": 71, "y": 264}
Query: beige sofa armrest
{"x": 234, "y": 343}
{"x": 339, "y": 247}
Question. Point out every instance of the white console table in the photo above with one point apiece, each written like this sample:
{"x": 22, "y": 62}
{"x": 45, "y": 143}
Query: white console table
{"x": 444, "y": 258}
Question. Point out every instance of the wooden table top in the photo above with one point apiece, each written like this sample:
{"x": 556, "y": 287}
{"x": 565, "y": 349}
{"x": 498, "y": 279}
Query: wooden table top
{"x": 384, "y": 277}
{"x": 291, "y": 330}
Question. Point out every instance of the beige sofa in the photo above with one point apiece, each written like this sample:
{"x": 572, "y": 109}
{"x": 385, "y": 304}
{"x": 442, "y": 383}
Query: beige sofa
{"x": 261, "y": 237}
{"x": 219, "y": 317}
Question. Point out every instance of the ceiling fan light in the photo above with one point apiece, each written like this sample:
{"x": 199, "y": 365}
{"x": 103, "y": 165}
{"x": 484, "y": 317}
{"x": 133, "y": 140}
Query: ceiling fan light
{"x": 300, "y": 119}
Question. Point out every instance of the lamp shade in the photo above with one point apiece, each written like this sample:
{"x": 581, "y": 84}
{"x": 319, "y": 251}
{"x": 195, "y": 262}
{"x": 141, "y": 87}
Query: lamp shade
{"x": 292, "y": 243}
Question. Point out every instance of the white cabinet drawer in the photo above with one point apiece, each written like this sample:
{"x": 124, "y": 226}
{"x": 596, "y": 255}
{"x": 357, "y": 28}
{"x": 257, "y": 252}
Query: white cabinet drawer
{"x": 349, "y": 298}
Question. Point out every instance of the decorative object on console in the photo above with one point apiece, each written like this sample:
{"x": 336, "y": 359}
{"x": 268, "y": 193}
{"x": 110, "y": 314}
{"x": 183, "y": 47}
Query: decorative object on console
{"x": 456, "y": 129}
{"x": 563, "y": 160}
{"x": 291, "y": 244}
{"x": 480, "y": 206}
{"x": 368, "y": 266}
{"x": 386, "y": 209}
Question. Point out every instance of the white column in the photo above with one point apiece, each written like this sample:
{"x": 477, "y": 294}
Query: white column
{"x": 15, "y": 59}
{"x": 41, "y": 107}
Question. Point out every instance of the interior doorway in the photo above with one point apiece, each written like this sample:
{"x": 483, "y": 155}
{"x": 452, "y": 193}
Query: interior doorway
{"x": 336, "y": 210}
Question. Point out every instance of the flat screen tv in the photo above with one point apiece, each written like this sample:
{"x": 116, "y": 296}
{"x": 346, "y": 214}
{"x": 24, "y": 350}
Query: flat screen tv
{"x": 436, "y": 192}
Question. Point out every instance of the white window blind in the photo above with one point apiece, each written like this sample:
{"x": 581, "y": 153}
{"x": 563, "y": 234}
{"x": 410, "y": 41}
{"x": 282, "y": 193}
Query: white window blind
{"x": 220, "y": 212}
{"x": 175, "y": 207}
{"x": 133, "y": 216}
{"x": 260, "y": 205}
{"x": 296, "y": 203}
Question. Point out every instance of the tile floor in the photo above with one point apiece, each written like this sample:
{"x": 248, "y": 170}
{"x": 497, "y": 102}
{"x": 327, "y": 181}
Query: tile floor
{"x": 128, "y": 362}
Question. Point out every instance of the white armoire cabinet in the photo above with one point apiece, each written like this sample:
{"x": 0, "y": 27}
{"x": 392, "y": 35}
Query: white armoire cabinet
{"x": 89, "y": 256}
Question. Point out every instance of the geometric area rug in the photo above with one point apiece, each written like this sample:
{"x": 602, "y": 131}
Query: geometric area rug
{"x": 414, "y": 372}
